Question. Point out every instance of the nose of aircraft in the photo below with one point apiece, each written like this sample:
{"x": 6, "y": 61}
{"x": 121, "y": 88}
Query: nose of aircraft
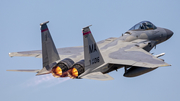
{"x": 169, "y": 33}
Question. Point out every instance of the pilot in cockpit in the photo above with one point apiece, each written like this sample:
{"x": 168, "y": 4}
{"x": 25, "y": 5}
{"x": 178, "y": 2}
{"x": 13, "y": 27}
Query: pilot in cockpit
{"x": 145, "y": 25}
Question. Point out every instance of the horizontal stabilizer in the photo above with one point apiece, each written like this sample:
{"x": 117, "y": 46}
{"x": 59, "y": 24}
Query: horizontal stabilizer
{"x": 35, "y": 71}
{"x": 43, "y": 71}
{"x": 98, "y": 76}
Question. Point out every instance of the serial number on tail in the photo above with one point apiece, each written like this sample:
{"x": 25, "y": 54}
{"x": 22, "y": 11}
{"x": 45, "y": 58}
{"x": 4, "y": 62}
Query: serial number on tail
{"x": 94, "y": 60}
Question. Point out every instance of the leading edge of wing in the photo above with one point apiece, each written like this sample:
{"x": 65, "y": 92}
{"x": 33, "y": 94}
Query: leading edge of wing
{"x": 133, "y": 55}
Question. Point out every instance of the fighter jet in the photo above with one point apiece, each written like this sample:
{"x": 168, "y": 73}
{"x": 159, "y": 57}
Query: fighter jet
{"x": 130, "y": 51}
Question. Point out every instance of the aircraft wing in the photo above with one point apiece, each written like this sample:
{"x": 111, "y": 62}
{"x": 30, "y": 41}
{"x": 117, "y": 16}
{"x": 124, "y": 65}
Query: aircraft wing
{"x": 63, "y": 52}
{"x": 38, "y": 53}
{"x": 133, "y": 54}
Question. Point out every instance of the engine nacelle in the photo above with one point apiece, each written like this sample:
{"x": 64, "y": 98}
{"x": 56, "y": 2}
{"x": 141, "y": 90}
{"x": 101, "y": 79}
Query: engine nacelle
{"x": 77, "y": 69}
{"x": 63, "y": 66}
{"x": 136, "y": 71}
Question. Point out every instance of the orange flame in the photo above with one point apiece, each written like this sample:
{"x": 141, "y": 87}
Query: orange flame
{"x": 74, "y": 72}
{"x": 71, "y": 73}
{"x": 57, "y": 72}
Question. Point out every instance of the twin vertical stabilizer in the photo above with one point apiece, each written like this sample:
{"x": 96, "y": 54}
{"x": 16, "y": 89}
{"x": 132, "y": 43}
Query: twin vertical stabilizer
{"x": 92, "y": 55}
{"x": 92, "y": 58}
{"x": 49, "y": 51}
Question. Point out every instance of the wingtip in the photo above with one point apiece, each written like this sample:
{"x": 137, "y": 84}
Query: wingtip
{"x": 165, "y": 65}
{"x": 10, "y": 55}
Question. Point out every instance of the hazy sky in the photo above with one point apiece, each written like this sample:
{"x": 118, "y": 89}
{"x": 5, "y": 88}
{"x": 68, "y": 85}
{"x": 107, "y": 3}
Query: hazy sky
{"x": 20, "y": 31}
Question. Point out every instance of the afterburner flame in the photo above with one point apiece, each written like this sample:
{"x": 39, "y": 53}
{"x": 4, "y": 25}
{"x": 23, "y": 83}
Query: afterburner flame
{"x": 57, "y": 71}
{"x": 74, "y": 72}
{"x": 71, "y": 73}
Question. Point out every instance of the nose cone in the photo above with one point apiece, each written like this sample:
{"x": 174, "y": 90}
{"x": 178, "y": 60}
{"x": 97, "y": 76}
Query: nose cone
{"x": 169, "y": 33}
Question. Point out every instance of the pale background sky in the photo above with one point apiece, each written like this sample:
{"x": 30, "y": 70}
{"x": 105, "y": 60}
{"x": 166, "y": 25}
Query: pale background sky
{"x": 20, "y": 31}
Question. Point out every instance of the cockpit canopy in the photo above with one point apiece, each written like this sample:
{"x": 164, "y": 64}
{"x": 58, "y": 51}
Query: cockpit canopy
{"x": 144, "y": 25}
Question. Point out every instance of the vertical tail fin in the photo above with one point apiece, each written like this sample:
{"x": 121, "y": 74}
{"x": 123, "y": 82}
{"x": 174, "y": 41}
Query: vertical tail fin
{"x": 49, "y": 51}
{"x": 92, "y": 55}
